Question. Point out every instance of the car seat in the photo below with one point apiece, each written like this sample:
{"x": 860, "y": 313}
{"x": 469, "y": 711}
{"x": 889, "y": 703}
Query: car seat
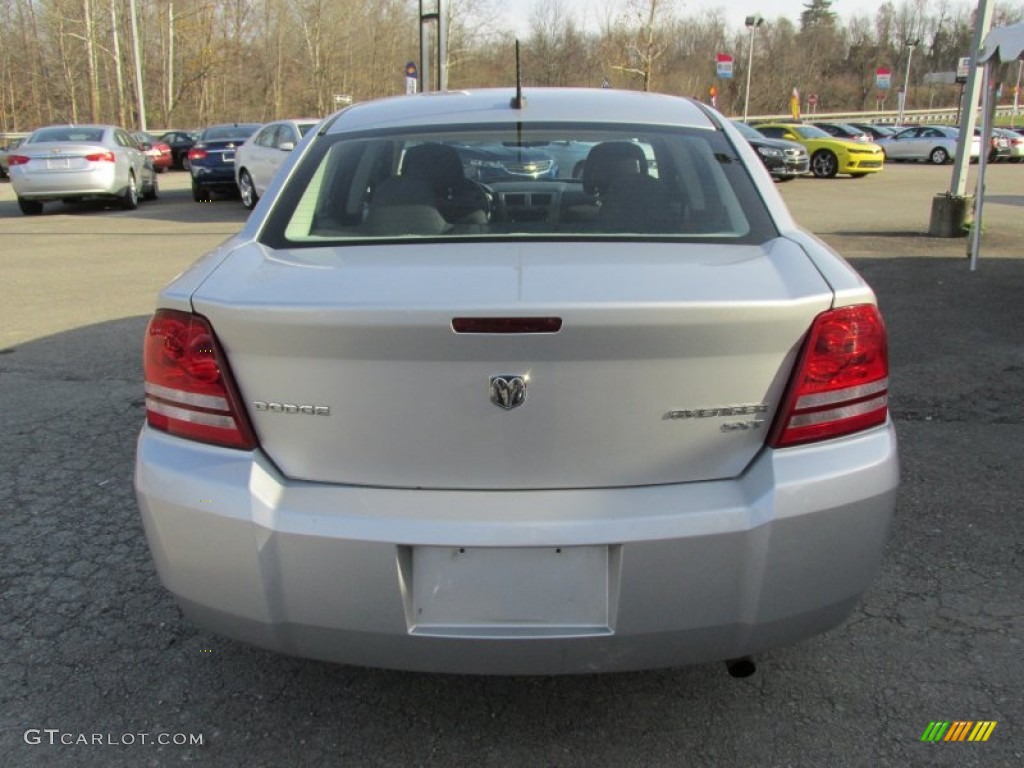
{"x": 459, "y": 200}
{"x": 629, "y": 199}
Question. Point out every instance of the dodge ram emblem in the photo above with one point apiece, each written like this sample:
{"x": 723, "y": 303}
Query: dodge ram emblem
{"x": 507, "y": 391}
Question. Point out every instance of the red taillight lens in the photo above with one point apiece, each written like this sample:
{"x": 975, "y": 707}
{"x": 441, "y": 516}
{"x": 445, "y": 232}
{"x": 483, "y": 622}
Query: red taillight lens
{"x": 841, "y": 382}
{"x": 100, "y": 157}
{"x": 17, "y": 159}
{"x": 196, "y": 154}
{"x": 189, "y": 389}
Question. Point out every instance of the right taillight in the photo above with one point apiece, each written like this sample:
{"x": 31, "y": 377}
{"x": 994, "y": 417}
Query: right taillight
{"x": 189, "y": 390}
{"x": 841, "y": 381}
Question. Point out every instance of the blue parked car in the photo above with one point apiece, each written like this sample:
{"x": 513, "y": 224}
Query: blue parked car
{"x": 212, "y": 158}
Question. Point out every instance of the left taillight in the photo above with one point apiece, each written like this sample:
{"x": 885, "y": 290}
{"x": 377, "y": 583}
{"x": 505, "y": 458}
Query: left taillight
{"x": 189, "y": 389}
{"x": 841, "y": 381}
{"x": 17, "y": 159}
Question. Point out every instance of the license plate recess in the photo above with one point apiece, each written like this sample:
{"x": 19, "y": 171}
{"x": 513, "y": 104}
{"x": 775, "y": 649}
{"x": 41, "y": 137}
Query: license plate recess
{"x": 507, "y": 591}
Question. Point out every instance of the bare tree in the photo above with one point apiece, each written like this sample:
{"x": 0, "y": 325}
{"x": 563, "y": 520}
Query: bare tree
{"x": 644, "y": 46}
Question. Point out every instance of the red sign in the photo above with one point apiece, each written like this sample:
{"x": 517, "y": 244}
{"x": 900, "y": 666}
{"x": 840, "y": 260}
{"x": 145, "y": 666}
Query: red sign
{"x": 813, "y": 99}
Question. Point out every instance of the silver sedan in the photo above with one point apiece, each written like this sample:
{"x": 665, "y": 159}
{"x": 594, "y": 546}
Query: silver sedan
{"x": 78, "y": 162}
{"x": 930, "y": 143}
{"x": 633, "y": 419}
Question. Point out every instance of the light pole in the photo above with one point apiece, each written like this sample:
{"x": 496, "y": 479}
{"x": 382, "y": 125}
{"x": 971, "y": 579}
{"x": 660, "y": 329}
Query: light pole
{"x": 433, "y": 12}
{"x": 911, "y": 45}
{"x": 752, "y": 23}
{"x": 1016, "y": 95}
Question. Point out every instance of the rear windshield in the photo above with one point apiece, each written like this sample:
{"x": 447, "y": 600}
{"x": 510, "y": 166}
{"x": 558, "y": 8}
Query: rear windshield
{"x": 541, "y": 181}
{"x": 67, "y": 133}
{"x": 222, "y": 132}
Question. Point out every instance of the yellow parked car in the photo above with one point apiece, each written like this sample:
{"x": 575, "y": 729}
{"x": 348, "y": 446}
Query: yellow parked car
{"x": 829, "y": 155}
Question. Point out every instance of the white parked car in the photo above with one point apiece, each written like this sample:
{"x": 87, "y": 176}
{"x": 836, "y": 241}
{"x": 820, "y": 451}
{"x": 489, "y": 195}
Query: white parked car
{"x": 542, "y": 425}
{"x": 257, "y": 160}
{"x": 77, "y": 162}
{"x": 931, "y": 143}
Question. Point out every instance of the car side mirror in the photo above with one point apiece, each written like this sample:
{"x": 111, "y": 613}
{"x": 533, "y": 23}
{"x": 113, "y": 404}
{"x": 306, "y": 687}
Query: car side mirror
{"x": 286, "y": 146}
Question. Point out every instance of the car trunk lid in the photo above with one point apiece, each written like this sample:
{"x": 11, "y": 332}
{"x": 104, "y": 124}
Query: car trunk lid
{"x": 668, "y": 364}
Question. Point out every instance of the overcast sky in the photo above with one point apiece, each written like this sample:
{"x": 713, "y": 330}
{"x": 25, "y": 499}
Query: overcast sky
{"x": 517, "y": 12}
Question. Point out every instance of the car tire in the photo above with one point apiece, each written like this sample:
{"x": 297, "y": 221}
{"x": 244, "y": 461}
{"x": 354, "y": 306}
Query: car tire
{"x": 130, "y": 198}
{"x": 30, "y": 207}
{"x": 824, "y": 164}
{"x": 939, "y": 156}
{"x": 247, "y": 190}
{"x": 185, "y": 164}
{"x": 857, "y": 175}
{"x": 200, "y": 193}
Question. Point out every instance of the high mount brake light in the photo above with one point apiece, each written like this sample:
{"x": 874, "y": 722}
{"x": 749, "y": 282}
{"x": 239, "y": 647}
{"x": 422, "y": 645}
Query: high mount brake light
{"x": 189, "y": 389}
{"x": 841, "y": 381}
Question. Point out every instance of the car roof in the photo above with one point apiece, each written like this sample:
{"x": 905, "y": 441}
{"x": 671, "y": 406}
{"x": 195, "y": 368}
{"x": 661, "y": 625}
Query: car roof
{"x": 494, "y": 106}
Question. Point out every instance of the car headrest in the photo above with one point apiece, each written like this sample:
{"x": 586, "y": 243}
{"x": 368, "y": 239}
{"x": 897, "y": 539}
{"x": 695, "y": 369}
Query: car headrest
{"x": 437, "y": 164}
{"x": 611, "y": 160}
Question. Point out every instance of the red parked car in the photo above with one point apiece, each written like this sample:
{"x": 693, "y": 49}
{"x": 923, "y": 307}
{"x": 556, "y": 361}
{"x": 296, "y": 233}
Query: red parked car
{"x": 158, "y": 151}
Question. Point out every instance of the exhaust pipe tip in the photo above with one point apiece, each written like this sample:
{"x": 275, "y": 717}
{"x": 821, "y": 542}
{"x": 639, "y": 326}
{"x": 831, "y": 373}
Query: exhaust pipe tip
{"x": 741, "y": 667}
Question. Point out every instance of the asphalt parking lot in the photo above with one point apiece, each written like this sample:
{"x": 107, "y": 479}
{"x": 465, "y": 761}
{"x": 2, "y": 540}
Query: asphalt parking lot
{"x": 95, "y": 653}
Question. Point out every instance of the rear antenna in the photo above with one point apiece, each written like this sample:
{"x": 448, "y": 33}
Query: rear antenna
{"x": 518, "y": 102}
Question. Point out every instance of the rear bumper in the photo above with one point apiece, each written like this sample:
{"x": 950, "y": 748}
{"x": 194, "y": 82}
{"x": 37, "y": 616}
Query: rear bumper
{"x": 223, "y": 174}
{"x": 54, "y": 186}
{"x": 519, "y": 582}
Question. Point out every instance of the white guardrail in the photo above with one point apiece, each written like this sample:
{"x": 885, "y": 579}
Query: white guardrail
{"x": 947, "y": 115}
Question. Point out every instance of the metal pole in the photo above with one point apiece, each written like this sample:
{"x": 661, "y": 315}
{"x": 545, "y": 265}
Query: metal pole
{"x": 987, "y": 112}
{"x": 958, "y": 184}
{"x": 442, "y": 46}
{"x": 750, "y": 64}
{"x": 752, "y": 23}
{"x": 426, "y": 81}
{"x": 1016, "y": 95}
{"x": 139, "y": 94}
{"x": 911, "y": 45}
